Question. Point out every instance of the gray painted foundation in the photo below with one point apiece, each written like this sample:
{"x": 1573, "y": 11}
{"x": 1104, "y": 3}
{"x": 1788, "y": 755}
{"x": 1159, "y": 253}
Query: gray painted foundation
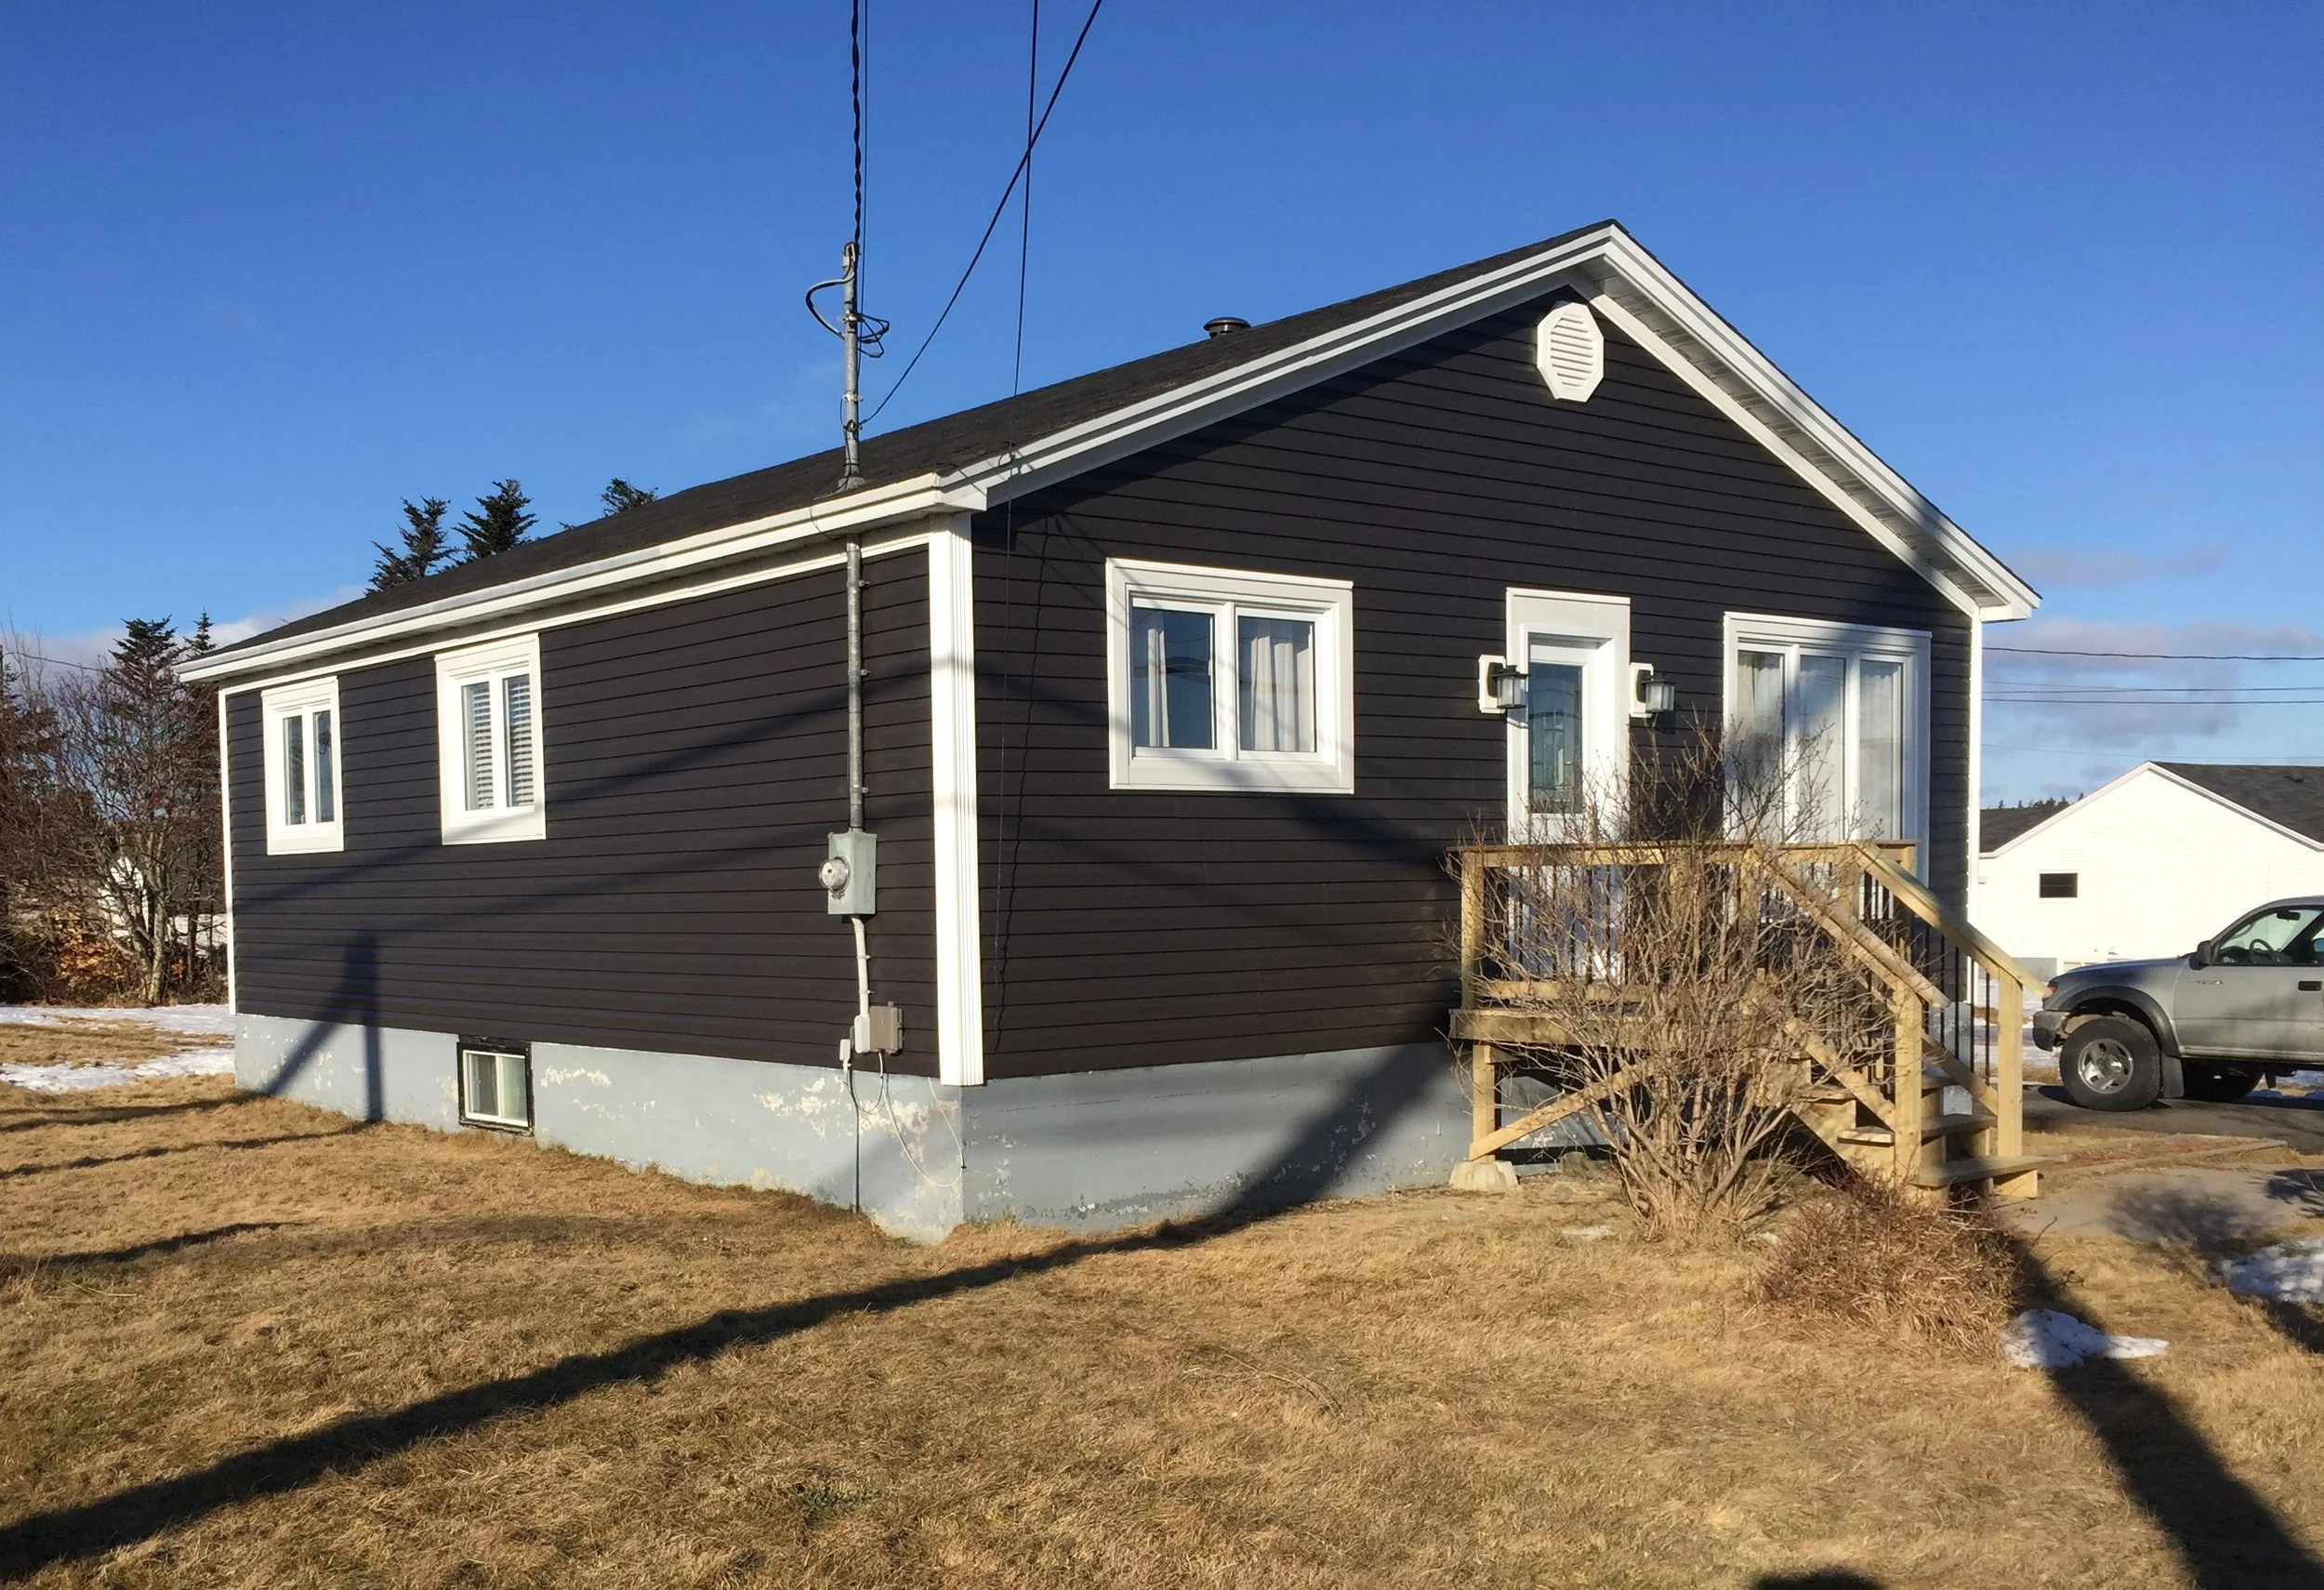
{"x": 1090, "y": 1150}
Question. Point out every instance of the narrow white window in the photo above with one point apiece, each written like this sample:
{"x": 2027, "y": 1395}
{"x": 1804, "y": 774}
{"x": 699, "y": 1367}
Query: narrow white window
{"x": 1225, "y": 680}
{"x": 495, "y": 1085}
{"x": 1826, "y": 728}
{"x": 488, "y": 742}
{"x": 300, "y": 751}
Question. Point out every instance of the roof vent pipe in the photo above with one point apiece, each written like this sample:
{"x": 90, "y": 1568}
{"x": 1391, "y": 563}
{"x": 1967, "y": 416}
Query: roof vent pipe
{"x": 1226, "y": 323}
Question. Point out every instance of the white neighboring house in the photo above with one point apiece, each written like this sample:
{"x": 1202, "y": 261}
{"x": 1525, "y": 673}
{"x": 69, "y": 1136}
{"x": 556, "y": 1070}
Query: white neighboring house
{"x": 2148, "y": 867}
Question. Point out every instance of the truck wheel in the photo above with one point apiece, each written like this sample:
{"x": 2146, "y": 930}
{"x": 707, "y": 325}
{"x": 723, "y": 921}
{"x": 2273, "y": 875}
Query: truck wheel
{"x": 2216, "y": 1084}
{"x": 2111, "y": 1063}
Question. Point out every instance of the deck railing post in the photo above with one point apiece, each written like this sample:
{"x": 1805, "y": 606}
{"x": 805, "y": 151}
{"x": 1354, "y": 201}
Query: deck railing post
{"x": 1472, "y": 870}
{"x": 2008, "y": 1067}
{"x": 1911, "y": 1087}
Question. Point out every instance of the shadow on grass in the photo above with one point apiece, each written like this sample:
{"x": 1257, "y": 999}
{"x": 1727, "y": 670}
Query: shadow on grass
{"x": 16, "y": 1264}
{"x": 1306, "y": 1169}
{"x": 164, "y": 1150}
{"x": 1832, "y": 1579}
{"x": 110, "y": 1115}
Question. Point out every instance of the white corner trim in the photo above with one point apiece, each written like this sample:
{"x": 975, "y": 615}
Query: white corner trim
{"x": 226, "y": 835}
{"x": 951, "y": 725}
{"x": 1226, "y": 768}
{"x": 489, "y": 664}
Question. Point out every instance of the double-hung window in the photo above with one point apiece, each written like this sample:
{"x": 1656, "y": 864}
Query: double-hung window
{"x": 488, "y": 742}
{"x": 1225, "y": 680}
{"x": 1827, "y": 728}
{"x": 301, "y": 724}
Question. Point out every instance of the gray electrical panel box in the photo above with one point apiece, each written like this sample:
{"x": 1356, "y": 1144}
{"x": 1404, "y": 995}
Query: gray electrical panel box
{"x": 849, "y": 874}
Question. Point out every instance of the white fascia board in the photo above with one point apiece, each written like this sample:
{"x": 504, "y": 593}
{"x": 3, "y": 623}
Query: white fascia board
{"x": 2157, "y": 770}
{"x": 2243, "y": 811}
{"x": 865, "y": 509}
{"x": 1754, "y": 381}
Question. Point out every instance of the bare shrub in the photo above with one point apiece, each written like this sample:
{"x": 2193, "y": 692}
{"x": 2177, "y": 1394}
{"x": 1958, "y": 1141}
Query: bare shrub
{"x": 1864, "y": 1255}
{"x": 1686, "y": 986}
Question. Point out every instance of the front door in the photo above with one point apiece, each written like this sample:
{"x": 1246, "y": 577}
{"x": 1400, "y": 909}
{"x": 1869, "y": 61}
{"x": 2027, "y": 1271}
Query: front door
{"x": 1569, "y": 735}
{"x": 2260, "y": 992}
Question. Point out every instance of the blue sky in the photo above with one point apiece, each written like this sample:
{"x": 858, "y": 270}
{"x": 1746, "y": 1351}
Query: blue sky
{"x": 268, "y": 270}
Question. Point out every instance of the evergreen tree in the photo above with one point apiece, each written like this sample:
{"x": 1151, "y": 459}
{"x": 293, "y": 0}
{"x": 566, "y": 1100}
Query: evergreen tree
{"x": 620, "y": 496}
{"x": 201, "y": 643}
{"x": 497, "y": 522}
{"x": 423, "y": 545}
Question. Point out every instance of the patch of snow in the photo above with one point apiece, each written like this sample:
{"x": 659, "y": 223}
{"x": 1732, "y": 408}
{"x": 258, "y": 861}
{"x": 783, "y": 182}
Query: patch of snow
{"x": 206, "y": 1021}
{"x": 2292, "y": 1271}
{"x": 2042, "y": 1338}
{"x": 81, "y": 1079}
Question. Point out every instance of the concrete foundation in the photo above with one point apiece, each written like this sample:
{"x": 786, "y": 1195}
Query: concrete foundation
{"x": 1089, "y": 1150}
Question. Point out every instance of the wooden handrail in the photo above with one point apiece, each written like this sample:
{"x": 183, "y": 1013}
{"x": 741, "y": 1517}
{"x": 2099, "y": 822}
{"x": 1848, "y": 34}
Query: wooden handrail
{"x": 1934, "y": 911}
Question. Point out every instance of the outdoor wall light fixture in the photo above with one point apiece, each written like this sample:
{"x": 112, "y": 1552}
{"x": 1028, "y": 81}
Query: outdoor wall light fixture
{"x": 1649, "y": 696}
{"x": 1500, "y": 685}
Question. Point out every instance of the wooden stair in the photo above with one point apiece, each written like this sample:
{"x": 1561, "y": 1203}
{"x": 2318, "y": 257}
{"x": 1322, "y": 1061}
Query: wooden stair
{"x": 1934, "y": 973}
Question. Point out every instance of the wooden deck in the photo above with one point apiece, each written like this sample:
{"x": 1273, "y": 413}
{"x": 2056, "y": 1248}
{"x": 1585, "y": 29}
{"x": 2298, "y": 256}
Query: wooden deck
{"x": 1926, "y": 1090}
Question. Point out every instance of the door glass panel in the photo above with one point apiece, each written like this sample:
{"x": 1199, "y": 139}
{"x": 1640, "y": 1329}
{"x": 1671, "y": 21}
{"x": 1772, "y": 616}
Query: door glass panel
{"x": 1170, "y": 679}
{"x": 1276, "y": 683}
{"x": 1880, "y": 749}
{"x": 1756, "y": 757}
{"x": 1823, "y": 747}
{"x": 1554, "y": 730}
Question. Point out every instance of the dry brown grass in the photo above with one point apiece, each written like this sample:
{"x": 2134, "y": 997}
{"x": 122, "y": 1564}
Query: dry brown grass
{"x": 1427, "y": 1389}
{"x": 1861, "y": 1257}
{"x": 82, "y": 1039}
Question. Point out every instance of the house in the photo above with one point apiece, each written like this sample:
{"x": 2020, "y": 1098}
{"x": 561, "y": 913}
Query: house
{"x": 2151, "y": 864}
{"x": 1178, "y": 680}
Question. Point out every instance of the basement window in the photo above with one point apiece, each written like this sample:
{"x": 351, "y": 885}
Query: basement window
{"x": 489, "y": 743}
{"x": 2061, "y": 886}
{"x": 495, "y": 1085}
{"x": 301, "y": 725}
{"x": 1226, "y": 680}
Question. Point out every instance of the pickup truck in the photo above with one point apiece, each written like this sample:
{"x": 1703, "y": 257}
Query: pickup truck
{"x": 2211, "y": 1025}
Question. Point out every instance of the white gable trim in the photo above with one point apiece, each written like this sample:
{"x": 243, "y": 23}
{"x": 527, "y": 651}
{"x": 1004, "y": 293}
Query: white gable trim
{"x": 2164, "y": 773}
{"x": 1604, "y": 266}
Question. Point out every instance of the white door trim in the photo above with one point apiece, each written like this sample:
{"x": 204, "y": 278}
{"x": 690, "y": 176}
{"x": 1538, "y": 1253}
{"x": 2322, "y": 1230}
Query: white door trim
{"x": 1601, "y": 623}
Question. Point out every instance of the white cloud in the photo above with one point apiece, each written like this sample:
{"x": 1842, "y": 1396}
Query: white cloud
{"x": 90, "y": 648}
{"x": 2053, "y": 566}
{"x": 2145, "y": 688}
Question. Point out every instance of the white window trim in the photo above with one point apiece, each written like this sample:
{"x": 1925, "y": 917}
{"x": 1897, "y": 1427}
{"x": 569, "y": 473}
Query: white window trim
{"x": 302, "y": 699}
{"x": 1779, "y": 632}
{"x": 1329, "y": 769}
{"x": 1602, "y": 624}
{"x": 500, "y": 824}
{"x": 522, "y": 1054}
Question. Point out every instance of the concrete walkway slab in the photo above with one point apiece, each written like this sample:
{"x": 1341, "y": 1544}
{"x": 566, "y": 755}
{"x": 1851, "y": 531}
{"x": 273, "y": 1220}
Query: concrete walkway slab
{"x": 2187, "y": 1204}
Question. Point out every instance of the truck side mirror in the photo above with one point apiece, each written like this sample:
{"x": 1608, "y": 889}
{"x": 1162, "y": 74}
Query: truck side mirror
{"x": 2201, "y": 958}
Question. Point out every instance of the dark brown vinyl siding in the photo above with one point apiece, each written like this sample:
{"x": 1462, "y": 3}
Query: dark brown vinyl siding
{"x": 695, "y": 758}
{"x": 1131, "y": 929}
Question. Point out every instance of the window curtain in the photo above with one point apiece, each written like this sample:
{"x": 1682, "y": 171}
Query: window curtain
{"x": 1278, "y": 683}
{"x": 1880, "y": 749}
{"x": 476, "y": 712}
{"x": 517, "y": 712}
{"x": 1822, "y": 778}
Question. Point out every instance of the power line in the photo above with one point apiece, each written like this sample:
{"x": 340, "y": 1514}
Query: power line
{"x": 998, "y": 210}
{"x": 2042, "y": 687}
{"x": 2118, "y": 701}
{"x": 1025, "y": 230}
{"x": 2164, "y": 657}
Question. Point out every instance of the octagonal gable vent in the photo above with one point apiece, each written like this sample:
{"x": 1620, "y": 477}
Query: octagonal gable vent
{"x": 1571, "y": 351}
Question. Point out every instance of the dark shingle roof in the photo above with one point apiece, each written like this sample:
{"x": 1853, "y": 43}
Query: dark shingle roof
{"x": 1999, "y": 824}
{"x": 2292, "y": 796}
{"x": 934, "y": 445}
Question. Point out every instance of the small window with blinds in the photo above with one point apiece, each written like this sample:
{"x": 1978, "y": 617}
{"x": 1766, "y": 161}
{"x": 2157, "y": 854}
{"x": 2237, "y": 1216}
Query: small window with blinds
{"x": 495, "y": 1085}
{"x": 302, "y": 767}
{"x": 488, "y": 714}
{"x": 1229, "y": 680}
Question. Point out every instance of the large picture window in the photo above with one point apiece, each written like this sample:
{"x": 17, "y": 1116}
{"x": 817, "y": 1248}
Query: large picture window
{"x": 1827, "y": 734}
{"x": 301, "y": 725}
{"x": 1225, "y": 680}
{"x": 488, "y": 742}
